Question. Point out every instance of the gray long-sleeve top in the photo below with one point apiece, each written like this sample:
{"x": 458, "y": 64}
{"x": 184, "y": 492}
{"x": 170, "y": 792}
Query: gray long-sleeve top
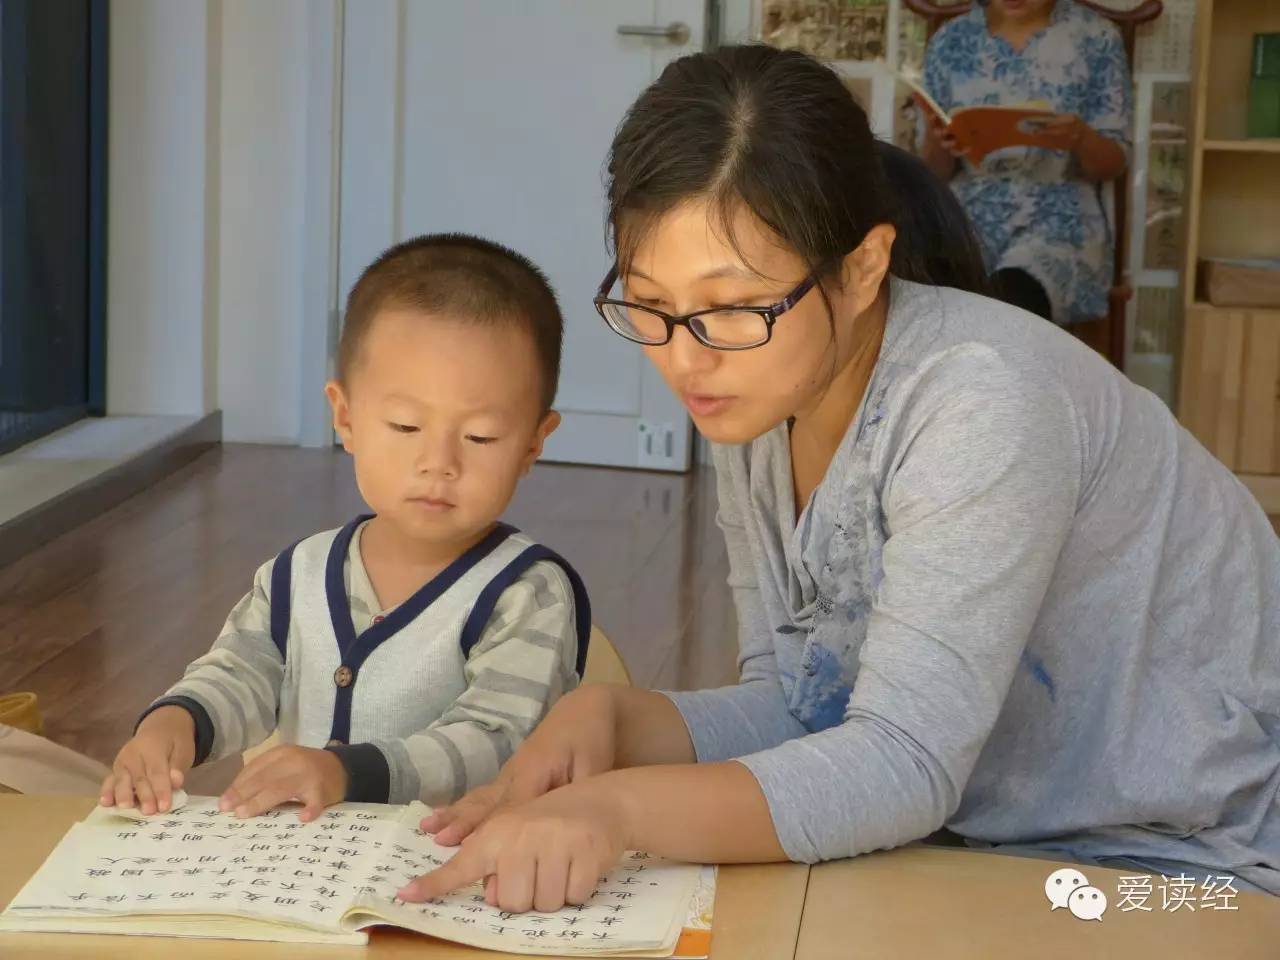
{"x": 1023, "y": 603}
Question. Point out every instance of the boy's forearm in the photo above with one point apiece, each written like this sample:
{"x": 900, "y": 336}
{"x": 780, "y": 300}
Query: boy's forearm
{"x": 232, "y": 692}
{"x": 180, "y": 718}
{"x": 171, "y": 719}
{"x": 700, "y": 813}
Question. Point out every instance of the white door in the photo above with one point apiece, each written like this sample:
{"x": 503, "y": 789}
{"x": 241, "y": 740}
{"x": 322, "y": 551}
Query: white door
{"x": 493, "y": 117}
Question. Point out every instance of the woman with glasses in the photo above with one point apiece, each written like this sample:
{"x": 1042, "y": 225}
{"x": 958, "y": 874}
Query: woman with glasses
{"x": 982, "y": 580}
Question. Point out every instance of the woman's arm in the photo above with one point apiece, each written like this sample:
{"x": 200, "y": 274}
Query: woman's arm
{"x": 550, "y": 851}
{"x": 1100, "y": 157}
{"x": 698, "y": 813}
{"x": 648, "y": 729}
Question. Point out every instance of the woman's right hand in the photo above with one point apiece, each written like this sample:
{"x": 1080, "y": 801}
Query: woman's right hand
{"x": 941, "y": 135}
{"x": 939, "y": 150}
{"x": 575, "y": 741}
{"x": 153, "y": 764}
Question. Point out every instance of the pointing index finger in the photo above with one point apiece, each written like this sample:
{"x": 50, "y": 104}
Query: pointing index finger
{"x": 461, "y": 870}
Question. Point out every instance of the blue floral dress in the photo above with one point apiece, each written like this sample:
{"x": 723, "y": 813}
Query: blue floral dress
{"x": 1032, "y": 207}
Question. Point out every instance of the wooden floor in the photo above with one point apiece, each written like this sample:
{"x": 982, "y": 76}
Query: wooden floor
{"x": 103, "y": 619}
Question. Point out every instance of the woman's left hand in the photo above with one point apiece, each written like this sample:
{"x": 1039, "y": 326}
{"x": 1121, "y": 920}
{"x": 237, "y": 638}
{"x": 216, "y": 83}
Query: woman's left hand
{"x": 1099, "y": 157}
{"x": 541, "y": 854}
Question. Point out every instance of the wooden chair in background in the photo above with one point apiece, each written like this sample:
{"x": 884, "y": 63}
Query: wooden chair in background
{"x": 1105, "y": 334}
{"x": 604, "y": 663}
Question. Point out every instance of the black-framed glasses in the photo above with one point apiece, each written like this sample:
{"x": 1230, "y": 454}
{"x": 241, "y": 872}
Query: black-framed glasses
{"x": 721, "y": 328}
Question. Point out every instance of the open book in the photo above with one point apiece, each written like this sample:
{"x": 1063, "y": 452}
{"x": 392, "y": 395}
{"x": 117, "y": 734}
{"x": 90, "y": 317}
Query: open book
{"x": 195, "y": 872}
{"x": 980, "y": 130}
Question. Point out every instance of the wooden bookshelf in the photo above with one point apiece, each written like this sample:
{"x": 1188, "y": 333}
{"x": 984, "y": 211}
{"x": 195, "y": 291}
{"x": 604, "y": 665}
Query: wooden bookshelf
{"x": 1229, "y": 391}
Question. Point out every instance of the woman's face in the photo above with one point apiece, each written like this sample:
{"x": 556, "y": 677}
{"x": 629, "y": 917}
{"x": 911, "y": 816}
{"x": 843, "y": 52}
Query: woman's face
{"x": 1023, "y": 10}
{"x": 685, "y": 265}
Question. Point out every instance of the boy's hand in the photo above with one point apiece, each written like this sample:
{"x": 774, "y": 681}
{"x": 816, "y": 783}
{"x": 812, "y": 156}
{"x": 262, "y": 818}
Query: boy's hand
{"x": 315, "y": 777}
{"x": 152, "y": 764}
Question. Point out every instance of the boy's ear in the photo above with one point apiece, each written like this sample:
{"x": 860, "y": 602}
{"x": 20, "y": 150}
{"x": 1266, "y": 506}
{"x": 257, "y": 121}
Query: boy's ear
{"x": 341, "y": 411}
{"x": 546, "y": 427}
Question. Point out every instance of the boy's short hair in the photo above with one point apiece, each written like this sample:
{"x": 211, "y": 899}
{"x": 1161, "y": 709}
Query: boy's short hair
{"x": 460, "y": 277}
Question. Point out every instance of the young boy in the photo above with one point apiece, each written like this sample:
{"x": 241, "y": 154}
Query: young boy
{"x": 406, "y": 655}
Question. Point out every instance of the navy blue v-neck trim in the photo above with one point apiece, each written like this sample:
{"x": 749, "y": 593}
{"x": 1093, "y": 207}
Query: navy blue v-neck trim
{"x": 354, "y": 650}
{"x": 484, "y": 606}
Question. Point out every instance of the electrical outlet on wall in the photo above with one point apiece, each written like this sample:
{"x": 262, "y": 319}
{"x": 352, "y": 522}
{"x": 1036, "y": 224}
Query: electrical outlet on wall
{"x": 657, "y": 444}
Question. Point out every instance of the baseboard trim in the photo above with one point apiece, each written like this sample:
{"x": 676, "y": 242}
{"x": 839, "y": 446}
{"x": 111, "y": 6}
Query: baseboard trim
{"x": 70, "y": 509}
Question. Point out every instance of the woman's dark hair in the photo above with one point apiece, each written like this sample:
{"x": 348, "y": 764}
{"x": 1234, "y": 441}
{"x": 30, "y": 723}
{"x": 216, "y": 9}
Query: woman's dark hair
{"x": 778, "y": 131}
{"x": 936, "y": 241}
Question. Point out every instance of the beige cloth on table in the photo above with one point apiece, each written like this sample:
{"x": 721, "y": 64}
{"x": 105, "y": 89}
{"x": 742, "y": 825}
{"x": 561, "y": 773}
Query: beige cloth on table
{"x": 32, "y": 764}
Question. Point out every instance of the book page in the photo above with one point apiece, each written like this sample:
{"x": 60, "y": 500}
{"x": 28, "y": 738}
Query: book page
{"x": 639, "y": 907}
{"x": 197, "y": 861}
{"x": 922, "y": 96}
{"x": 197, "y": 872}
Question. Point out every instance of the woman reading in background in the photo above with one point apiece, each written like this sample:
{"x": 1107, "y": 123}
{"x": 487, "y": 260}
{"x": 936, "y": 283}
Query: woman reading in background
{"x": 1038, "y": 211}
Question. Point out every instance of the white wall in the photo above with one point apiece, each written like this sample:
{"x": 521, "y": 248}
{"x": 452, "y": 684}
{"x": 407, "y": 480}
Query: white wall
{"x": 737, "y": 21}
{"x": 215, "y": 296}
{"x": 222, "y": 242}
{"x": 262, "y": 174}
{"x": 160, "y": 307}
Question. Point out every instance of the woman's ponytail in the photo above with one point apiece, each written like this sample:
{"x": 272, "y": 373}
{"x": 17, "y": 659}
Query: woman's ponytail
{"x": 936, "y": 242}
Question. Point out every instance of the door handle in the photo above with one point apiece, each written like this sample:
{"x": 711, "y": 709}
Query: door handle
{"x": 677, "y": 32}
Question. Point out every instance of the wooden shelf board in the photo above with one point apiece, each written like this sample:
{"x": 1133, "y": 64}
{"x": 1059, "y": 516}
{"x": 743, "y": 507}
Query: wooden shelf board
{"x": 1206, "y": 305}
{"x": 1255, "y": 145}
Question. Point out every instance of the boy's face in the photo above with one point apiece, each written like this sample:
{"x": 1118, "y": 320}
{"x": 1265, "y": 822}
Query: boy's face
{"x": 442, "y": 419}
